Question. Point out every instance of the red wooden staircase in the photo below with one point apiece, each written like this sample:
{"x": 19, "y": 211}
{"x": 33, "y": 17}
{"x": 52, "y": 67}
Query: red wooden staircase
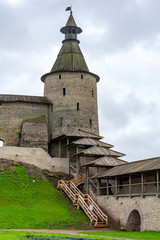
{"x": 96, "y": 216}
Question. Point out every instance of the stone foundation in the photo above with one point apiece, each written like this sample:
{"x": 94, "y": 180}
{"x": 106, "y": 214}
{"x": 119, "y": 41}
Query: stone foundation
{"x": 125, "y": 211}
{"x": 37, "y": 157}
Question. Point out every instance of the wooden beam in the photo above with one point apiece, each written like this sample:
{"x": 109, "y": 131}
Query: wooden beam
{"x": 157, "y": 172}
{"x": 98, "y": 170}
{"x": 142, "y": 184}
{"x": 116, "y": 187}
{"x": 107, "y": 187}
{"x": 77, "y": 162}
{"x": 130, "y": 186}
{"x": 98, "y": 186}
{"x": 87, "y": 182}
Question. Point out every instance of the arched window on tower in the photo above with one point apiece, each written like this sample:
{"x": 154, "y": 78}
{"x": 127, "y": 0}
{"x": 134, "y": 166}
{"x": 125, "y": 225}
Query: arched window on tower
{"x": 2, "y": 143}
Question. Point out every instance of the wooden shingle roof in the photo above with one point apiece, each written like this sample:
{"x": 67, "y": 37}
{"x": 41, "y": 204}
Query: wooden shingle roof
{"x": 91, "y": 142}
{"x": 133, "y": 167}
{"x": 106, "y": 161}
{"x": 101, "y": 151}
{"x": 24, "y": 98}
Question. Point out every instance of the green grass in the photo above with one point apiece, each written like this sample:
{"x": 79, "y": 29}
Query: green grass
{"x": 30, "y": 202}
{"x": 135, "y": 235}
{"x": 15, "y": 235}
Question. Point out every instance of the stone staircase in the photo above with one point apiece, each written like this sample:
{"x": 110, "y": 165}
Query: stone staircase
{"x": 84, "y": 201}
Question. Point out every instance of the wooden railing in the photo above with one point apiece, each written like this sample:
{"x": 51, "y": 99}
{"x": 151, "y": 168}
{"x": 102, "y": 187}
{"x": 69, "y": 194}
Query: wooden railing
{"x": 73, "y": 168}
{"x": 78, "y": 180}
{"x": 96, "y": 216}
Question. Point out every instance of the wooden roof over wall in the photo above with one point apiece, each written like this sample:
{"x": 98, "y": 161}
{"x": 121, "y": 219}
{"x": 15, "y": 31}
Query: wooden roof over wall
{"x": 24, "y": 98}
{"x": 105, "y": 161}
{"x": 91, "y": 142}
{"x": 133, "y": 167}
{"x": 101, "y": 151}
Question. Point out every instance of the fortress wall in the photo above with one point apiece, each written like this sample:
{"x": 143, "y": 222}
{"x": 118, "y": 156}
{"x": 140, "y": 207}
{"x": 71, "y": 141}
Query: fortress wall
{"x": 120, "y": 208}
{"x": 65, "y": 93}
{"x": 37, "y": 157}
{"x": 35, "y": 134}
{"x": 13, "y": 114}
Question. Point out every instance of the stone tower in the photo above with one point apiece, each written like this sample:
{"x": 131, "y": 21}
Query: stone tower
{"x": 71, "y": 88}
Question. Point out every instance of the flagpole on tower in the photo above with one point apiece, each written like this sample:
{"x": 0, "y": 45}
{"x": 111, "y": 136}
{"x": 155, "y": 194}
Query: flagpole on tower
{"x": 69, "y": 9}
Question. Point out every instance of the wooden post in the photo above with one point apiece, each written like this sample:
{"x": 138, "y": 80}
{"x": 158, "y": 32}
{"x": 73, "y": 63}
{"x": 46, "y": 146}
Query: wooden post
{"x": 142, "y": 185}
{"x": 87, "y": 176}
{"x": 157, "y": 172}
{"x": 98, "y": 186}
{"x": 85, "y": 181}
{"x": 77, "y": 161}
{"x": 77, "y": 164}
{"x": 59, "y": 149}
{"x": 98, "y": 170}
{"x": 107, "y": 187}
{"x": 116, "y": 187}
{"x": 130, "y": 186}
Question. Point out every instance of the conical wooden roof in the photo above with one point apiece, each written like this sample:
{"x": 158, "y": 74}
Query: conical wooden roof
{"x": 70, "y": 57}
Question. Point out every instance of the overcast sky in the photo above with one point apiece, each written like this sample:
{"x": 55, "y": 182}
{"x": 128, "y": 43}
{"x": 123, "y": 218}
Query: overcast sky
{"x": 120, "y": 42}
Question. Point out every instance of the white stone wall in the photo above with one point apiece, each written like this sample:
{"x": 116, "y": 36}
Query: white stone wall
{"x": 37, "y": 157}
{"x": 119, "y": 209}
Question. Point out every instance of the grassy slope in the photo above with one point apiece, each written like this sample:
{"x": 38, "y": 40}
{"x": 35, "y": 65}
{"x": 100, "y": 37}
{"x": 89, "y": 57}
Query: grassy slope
{"x": 134, "y": 235}
{"x": 30, "y": 202}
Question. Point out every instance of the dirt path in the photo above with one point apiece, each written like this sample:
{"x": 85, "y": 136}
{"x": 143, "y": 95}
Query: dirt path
{"x": 72, "y": 232}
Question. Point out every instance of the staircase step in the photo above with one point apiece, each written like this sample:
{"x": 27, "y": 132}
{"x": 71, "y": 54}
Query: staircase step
{"x": 100, "y": 225}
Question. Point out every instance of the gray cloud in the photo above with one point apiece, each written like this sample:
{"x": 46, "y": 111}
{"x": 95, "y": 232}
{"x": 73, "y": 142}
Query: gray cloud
{"x": 120, "y": 42}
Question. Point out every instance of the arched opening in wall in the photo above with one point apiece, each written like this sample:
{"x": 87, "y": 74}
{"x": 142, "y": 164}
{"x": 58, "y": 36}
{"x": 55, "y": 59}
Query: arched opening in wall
{"x": 134, "y": 221}
{"x": 2, "y": 143}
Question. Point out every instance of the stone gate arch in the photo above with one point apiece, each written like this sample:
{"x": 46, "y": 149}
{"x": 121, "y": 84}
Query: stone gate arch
{"x": 2, "y": 142}
{"x": 134, "y": 221}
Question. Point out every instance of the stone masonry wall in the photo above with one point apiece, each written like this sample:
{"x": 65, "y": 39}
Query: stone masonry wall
{"x": 35, "y": 133}
{"x": 67, "y": 94}
{"x": 120, "y": 209}
{"x": 13, "y": 114}
{"x": 35, "y": 156}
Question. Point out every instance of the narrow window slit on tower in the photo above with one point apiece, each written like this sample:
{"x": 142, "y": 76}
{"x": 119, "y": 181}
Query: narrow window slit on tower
{"x": 90, "y": 122}
{"x": 59, "y": 76}
{"x": 92, "y": 93}
{"x": 51, "y": 107}
{"x": 64, "y": 91}
{"x": 60, "y": 121}
{"x": 77, "y": 106}
{"x": 81, "y": 76}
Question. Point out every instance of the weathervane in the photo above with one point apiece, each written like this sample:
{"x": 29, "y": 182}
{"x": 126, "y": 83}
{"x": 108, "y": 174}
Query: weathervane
{"x": 69, "y": 9}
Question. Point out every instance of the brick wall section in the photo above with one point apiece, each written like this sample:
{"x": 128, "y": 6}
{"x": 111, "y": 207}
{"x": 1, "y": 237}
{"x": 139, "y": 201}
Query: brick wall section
{"x": 37, "y": 157}
{"x": 13, "y": 114}
{"x": 119, "y": 209}
{"x": 65, "y": 117}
